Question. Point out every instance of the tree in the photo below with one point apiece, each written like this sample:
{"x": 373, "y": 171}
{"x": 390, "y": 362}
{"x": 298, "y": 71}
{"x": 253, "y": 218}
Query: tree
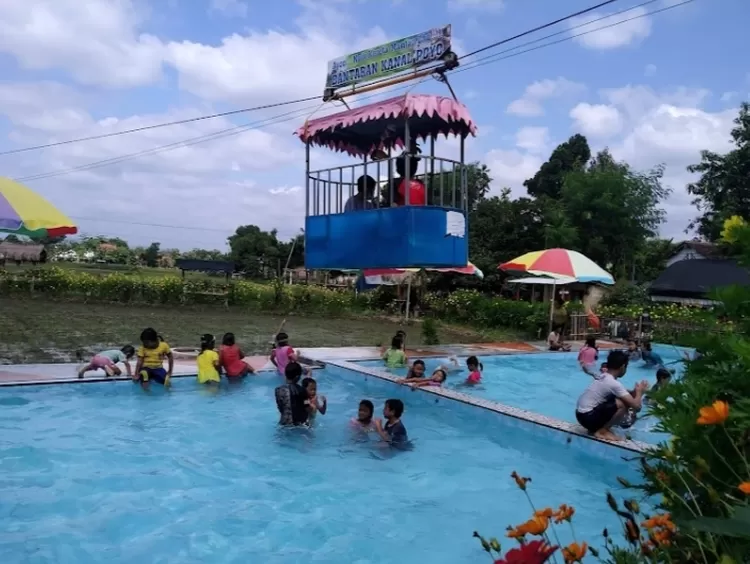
{"x": 150, "y": 255}
{"x": 254, "y": 250}
{"x": 614, "y": 210}
{"x": 477, "y": 185}
{"x": 723, "y": 189}
{"x": 11, "y": 238}
{"x": 567, "y": 157}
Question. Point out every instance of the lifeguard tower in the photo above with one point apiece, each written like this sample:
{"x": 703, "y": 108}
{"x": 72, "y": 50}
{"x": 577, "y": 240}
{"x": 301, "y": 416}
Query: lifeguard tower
{"x": 397, "y": 206}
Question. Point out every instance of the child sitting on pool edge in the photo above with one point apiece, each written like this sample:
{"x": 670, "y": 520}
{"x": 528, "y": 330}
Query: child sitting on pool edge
{"x": 393, "y": 432}
{"x": 208, "y": 361}
{"x": 151, "y": 355}
{"x": 108, "y": 360}
{"x": 230, "y": 359}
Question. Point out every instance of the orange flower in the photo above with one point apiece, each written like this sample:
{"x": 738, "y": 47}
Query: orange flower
{"x": 520, "y": 482}
{"x": 661, "y": 537}
{"x": 574, "y": 552}
{"x": 546, "y": 513}
{"x": 515, "y": 533}
{"x": 714, "y": 414}
{"x": 564, "y": 513}
{"x": 663, "y": 521}
{"x": 745, "y": 488}
{"x": 632, "y": 533}
{"x": 534, "y": 526}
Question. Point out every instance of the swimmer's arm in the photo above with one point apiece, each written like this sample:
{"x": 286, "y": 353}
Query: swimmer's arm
{"x": 380, "y": 431}
{"x": 138, "y": 366}
{"x": 127, "y": 369}
{"x": 421, "y": 382}
{"x": 273, "y": 358}
{"x": 322, "y": 407}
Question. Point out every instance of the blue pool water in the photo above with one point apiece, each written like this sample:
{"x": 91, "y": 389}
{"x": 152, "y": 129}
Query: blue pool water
{"x": 97, "y": 473}
{"x": 550, "y": 383}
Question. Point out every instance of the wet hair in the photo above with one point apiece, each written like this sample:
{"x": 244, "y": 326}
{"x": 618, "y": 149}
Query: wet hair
{"x": 396, "y": 342}
{"x": 418, "y": 362}
{"x": 128, "y": 350}
{"x": 293, "y": 371}
{"x": 208, "y": 342}
{"x": 307, "y": 381}
{"x": 366, "y": 184}
{"x": 149, "y": 335}
{"x": 368, "y": 404}
{"x": 228, "y": 339}
{"x": 591, "y": 342}
{"x": 617, "y": 360}
{"x": 282, "y": 339}
{"x": 647, "y": 345}
{"x": 663, "y": 374}
{"x": 396, "y": 406}
{"x": 472, "y": 360}
{"x": 441, "y": 371}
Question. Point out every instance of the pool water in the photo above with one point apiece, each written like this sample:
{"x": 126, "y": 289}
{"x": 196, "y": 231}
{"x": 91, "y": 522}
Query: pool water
{"x": 550, "y": 383}
{"x": 93, "y": 473}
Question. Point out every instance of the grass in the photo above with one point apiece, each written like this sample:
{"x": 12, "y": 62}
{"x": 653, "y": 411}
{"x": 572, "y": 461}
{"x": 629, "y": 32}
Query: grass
{"x": 107, "y": 269}
{"x": 38, "y": 330}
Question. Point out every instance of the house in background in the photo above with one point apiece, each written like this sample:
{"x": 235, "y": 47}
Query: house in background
{"x": 20, "y": 252}
{"x": 693, "y": 272}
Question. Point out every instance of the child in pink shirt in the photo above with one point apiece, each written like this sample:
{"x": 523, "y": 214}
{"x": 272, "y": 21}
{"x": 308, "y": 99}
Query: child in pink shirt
{"x": 588, "y": 356}
{"x": 474, "y": 366}
{"x": 282, "y": 354}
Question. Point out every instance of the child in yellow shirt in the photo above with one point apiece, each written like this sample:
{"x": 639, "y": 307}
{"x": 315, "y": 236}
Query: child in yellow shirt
{"x": 151, "y": 355}
{"x": 208, "y": 361}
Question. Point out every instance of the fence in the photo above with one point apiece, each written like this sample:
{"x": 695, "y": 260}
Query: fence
{"x": 625, "y": 328}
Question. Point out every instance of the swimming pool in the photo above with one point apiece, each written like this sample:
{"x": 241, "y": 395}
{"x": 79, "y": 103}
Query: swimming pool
{"x": 103, "y": 472}
{"x": 550, "y": 383}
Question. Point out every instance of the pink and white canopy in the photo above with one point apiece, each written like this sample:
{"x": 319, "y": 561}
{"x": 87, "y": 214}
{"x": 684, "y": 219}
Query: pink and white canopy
{"x": 381, "y": 125}
{"x": 393, "y": 276}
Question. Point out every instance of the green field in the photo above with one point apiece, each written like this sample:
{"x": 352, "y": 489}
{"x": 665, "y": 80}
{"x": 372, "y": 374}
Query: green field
{"x": 104, "y": 269}
{"x": 38, "y": 330}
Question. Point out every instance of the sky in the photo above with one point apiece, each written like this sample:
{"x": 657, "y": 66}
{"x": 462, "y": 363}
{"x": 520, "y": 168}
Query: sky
{"x": 655, "y": 90}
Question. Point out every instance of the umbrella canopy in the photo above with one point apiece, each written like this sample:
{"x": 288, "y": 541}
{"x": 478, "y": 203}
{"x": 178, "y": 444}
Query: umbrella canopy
{"x": 469, "y": 269}
{"x": 559, "y": 262}
{"x": 24, "y": 212}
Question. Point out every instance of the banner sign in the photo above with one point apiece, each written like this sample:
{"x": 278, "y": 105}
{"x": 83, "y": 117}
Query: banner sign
{"x": 391, "y": 58}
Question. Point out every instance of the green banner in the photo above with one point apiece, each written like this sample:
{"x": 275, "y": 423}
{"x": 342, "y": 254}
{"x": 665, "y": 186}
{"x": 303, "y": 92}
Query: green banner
{"x": 388, "y": 59}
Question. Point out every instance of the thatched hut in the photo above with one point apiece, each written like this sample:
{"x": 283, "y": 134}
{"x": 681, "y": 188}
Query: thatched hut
{"x": 19, "y": 252}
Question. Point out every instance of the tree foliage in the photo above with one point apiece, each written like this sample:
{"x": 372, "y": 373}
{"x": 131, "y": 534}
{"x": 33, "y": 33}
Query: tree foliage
{"x": 567, "y": 157}
{"x": 723, "y": 189}
{"x": 257, "y": 252}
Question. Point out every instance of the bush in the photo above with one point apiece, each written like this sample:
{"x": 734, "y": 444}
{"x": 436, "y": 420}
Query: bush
{"x": 430, "y": 332}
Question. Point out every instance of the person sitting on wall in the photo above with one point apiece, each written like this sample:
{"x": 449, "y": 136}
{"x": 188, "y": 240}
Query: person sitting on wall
{"x": 417, "y": 191}
{"x": 362, "y": 200}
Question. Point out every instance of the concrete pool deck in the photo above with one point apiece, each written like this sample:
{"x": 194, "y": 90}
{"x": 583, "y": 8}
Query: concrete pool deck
{"x": 36, "y": 374}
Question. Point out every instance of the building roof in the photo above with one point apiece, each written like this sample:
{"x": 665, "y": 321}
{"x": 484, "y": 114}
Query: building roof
{"x": 205, "y": 265}
{"x": 696, "y": 278}
{"x": 704, "y": 248}
{"x": 20, "y": 251}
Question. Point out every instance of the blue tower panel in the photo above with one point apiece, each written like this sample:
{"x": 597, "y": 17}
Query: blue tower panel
{"x": 408, "y": 236}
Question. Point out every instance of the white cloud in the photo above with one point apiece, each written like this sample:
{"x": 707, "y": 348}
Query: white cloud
{"x": 533, "y": 139}
{"x": 509, "y": 169}
{"x": 727, "y": 97}
{"x": 229, "y": 8}
{"x": 96, "y": 41}
{"x": 493, "y": 6}
{"x": 597, "y": 120}
{"x": 626, "y": 33}
{"x": 530, "y": 104}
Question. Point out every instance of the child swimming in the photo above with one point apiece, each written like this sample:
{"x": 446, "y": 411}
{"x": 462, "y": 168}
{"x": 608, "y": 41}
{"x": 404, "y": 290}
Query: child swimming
{"x": 417, "y": 369}
{"x": 437, "y": 379}
{"x": 315, "y": 403}
{"x": 230, "y": 359}
{"x": 475, "y": 374}
{"x": 108, "y": 360}
{"x": 151, "y": 355}
{"x": 633, "y": 352}
{"x": 393, "y": 432}
{"x": 365, "y": 413}
{"x": 395, "y": 357}
{"x": 650, "y": 358}
{"x": 587, "y": 357}
{"x": 452, "y": 365}
{"x": 208, "y": 361}
{"x": 282, "y": 354}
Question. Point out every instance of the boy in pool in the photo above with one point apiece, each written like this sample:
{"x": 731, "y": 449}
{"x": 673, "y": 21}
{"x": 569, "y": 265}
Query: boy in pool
{"x": 437, "y": 379}
{"x": 108, "y": 360}
{"x": 650, "y": 358}
{"x": 417, "y": 369}
{"x": 364, "y": 416}
{"x": 393, "y": 432}
{"x": 151, "y": 355}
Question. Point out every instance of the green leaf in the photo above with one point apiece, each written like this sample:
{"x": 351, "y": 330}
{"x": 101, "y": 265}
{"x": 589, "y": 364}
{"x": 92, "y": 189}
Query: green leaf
{"x": 737, "y": 526}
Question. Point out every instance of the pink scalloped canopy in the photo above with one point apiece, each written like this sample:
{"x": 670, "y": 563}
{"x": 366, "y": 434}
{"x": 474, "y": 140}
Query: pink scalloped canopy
{"x": 381, "y": 125}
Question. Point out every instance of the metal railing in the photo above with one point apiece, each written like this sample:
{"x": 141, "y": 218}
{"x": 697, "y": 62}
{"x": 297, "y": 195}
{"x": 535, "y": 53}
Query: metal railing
{"x": 328, "y": 190}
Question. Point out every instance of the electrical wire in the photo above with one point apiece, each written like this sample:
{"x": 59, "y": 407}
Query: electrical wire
{"x": 288, "y": 102}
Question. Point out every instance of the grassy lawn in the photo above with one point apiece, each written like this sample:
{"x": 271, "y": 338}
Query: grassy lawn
{"x": 37, "y": 330}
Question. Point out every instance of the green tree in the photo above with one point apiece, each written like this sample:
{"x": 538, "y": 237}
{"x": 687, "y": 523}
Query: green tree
{"x": 150, "y": 256}
{"x": 255, "y": 250}
{"x": 723, "y": 189}
{"x": 567, "y": 157}
{"x": 446, "y": 187}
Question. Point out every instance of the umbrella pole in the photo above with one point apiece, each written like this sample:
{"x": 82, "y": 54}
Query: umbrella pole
{"x": 408, "y": 299}
{"x": 552, "y": 307}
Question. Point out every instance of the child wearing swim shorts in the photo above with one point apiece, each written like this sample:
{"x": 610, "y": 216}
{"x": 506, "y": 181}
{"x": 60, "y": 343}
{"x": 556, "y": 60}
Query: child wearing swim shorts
{"x": 230, "y": 358}
{"x": 475, "y": 374}
{"x": 315, "y": 403}
{"x": 108, "y": 361}
{"x": 208, "y": 361}
{"x": 150, "y": 364}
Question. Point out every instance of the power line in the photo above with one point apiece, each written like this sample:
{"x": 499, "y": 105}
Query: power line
{"x": 276, "y": 119}
{"x": 288, "y": 102}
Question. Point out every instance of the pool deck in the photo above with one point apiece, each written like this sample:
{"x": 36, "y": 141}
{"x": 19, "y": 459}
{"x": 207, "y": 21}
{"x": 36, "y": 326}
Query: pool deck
{"x": 36, "y": 374}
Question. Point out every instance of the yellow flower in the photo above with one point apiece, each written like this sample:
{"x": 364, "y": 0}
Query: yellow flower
{"x": 714, "y": 414}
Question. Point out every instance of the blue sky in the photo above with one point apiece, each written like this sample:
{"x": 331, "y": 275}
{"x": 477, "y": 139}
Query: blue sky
{"x": 655, "y": 90}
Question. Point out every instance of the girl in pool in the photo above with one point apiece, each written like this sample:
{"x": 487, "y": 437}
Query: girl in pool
{"x": 315, "y": 403}
{"x": 587, "y": 357}
{"x": 363, "y": 421}
{"x": 395, "y": 357}
{"x": 475, "y": 375}
{"x": 437, "y": 379}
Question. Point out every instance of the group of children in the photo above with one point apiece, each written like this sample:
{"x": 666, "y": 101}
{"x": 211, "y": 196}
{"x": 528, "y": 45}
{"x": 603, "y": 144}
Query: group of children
{"x": 395, "y": 357}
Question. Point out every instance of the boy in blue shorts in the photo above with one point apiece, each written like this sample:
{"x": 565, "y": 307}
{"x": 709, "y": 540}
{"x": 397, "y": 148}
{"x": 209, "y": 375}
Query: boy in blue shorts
{"x": 151, "y": 355}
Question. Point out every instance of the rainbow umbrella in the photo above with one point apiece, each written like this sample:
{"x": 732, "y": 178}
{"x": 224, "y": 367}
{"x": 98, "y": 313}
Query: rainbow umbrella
{"x": 559, "y": 263}
{"x": 24, "y": 212}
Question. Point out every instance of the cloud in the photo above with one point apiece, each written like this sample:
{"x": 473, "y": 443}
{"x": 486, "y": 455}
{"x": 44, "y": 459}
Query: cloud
{"x": 533, "y": 139}
{"x": 626, "y": 33}
{"x": 596, "y": 120}
{"x": 509, "y": 169}
{"x": 229, "y": 8}
{"x": 492, "y": 6}
{"x": 96, "y": 41}
{"x": 530, "y": 104}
